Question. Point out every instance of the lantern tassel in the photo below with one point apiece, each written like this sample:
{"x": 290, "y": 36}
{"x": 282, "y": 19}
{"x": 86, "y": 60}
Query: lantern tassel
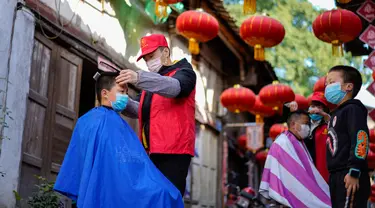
{"x": 193, "y": 46}
{"x": 249, "y": 6}
{"x": 160, "y": 9}
{"x": 259, "y": 119}
{"x": 337, "y": 49}
{"x": 259, "y": 53}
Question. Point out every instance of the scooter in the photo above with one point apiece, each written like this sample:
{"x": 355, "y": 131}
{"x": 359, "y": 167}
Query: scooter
{"x": 249, "y": 199}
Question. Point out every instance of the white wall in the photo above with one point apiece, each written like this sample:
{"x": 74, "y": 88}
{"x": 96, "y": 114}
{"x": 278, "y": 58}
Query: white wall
{"x": 18, "y": 87}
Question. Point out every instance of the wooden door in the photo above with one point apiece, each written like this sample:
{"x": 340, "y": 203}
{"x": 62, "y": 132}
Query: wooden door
{"x": 52, "y": 111}
{"x": 68, "y": 79}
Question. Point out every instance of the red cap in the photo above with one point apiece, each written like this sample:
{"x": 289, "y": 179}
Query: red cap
{"x": 319, "y": 97}
{"x": 152, "y": 42}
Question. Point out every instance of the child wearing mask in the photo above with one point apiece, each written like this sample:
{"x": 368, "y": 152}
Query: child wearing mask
{"x": 316, "y": 141}
{"x": 106, "y": 165}
{"x": 348, "y": 142}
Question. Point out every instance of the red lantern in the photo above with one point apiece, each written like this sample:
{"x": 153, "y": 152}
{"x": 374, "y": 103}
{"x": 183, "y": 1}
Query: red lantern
{"x": 372, "y": 147}
{"x": 197, "y": 26}
{"x": 261, "y": 156}
{"x": 275, "y": 95}
{"x": 372, "y": 136}
{"x": 320, "y": 85}
{"x": 371, "y": 159}
{"x": 261, "y": 32}
{"x": 260, "y": 110}
{"x": 302, "y": 102}
{"x": 337, "y": 26}
{"x": 373, "y": 74}
{"x": 161, "y": 7}
{"x": 237, "y": 99}
{"x": 276, "y": 130}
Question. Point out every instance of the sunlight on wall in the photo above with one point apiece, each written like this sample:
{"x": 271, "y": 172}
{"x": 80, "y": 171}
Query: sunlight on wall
{"x": 100, "y": 26}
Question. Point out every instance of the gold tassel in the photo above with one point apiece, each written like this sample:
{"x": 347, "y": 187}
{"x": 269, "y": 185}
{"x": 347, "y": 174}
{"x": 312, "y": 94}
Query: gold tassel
{"x": 259, "y": 52}
{"x": 102, "y": 1}
{"x": 259, "y": 119}
{"x": 193, "y": 46}
{"x": 161, "y": 9}
{"x": 249, "y": 6}
{"x": 344, "y": 1}
{"x": 337, "y": 49}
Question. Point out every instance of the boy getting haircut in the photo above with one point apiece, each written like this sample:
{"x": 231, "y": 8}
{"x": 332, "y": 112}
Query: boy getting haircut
{"x": 348, "y": 142}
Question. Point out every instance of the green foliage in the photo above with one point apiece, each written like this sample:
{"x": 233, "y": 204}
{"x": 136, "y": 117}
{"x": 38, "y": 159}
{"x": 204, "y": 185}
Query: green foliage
{"x": 45, "y": 197}
{"x": 301, "y": 58}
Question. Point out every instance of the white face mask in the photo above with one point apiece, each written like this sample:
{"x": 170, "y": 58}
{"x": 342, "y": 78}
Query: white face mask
{"x": 154, "y": 65}
{"x": 305, "y": 131}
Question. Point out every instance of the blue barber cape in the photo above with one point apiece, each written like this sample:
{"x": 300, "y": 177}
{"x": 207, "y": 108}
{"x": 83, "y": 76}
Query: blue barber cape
{"x": 107, "y": 167}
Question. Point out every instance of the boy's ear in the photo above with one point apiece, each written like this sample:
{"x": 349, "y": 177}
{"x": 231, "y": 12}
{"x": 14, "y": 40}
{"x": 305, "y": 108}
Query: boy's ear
{"x": 349, "y": 87}
{"x": 104, "y": 93}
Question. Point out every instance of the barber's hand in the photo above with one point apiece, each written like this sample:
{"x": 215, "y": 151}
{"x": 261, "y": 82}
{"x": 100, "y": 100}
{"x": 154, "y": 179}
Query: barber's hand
{"x": 127, "y": 76}
{"x": 293, "y": 106}
{"x": 351, "y": 185}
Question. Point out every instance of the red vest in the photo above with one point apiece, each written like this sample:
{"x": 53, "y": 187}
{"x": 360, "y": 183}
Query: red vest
{"x": 172, "y": 123}
{"x": 320, "y": 137}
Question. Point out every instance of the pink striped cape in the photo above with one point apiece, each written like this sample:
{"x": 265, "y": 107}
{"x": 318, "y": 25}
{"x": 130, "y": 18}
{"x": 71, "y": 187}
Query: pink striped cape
{"x": 290, "y": 177}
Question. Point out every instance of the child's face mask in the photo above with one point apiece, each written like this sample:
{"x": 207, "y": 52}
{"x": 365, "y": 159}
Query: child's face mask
{"x": 120, "y": 103}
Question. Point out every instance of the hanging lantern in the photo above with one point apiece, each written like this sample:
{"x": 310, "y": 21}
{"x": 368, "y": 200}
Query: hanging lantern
{"x": 372, "y": 137}
{"x": 261, "y": 32}
{"x": 237, "y": 99}
{"x": 242, "y": 141}
{"x": 261, "y": 111}
{"x": 161, "y": 7}
{"x": 276, "y": 94}
{"x": 249, "y": 6}
{"x": 371, "y": 159}
{"x": 372, "y": 146}
{"x": 372, "y": 196}
{"x": 261, "y": 157}
{"x": 344, "y": 1}
{"x": 336, "y": 27}
{"x": 320, "y": 85}
{"x": 197, "y": 26}
{"x": 276, "y": 130}
{"x": 302, "y": 102}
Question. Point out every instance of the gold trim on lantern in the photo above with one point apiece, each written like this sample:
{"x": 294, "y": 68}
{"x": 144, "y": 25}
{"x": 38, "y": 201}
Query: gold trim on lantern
{"x": 259, "y": 119}
{"x": 337, "y": 49}
{"x": 249, "y": 6}
{"x": 259, "y": 52}
{"x": 275, "y": 82}
{"x": 193, "y": 46}
{"x": 161, "y": 6}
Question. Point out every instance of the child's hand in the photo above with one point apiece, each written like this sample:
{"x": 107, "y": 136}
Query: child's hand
{"x": 351, "y": 185}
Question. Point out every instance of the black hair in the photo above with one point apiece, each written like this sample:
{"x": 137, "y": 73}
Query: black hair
{"x": 106, "y": 81}
{"x": 296, "y": 115}
{"x": 350, "y": 75}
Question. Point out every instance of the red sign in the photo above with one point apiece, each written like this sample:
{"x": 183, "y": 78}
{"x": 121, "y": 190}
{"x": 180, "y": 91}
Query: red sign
{"x": 368, "y": 36}
{"x": 371, "y": 88}
{"x": 370, "y": 62}
{"x": 367, "y": 11}
{"x": 372, "y": 114}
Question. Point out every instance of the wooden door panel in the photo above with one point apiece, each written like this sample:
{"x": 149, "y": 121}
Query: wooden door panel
{"x": 35, "y": 118}
{"x": 67, "y": 99}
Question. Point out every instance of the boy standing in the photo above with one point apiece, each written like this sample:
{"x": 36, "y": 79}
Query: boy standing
{"x": 347, "y": 145}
